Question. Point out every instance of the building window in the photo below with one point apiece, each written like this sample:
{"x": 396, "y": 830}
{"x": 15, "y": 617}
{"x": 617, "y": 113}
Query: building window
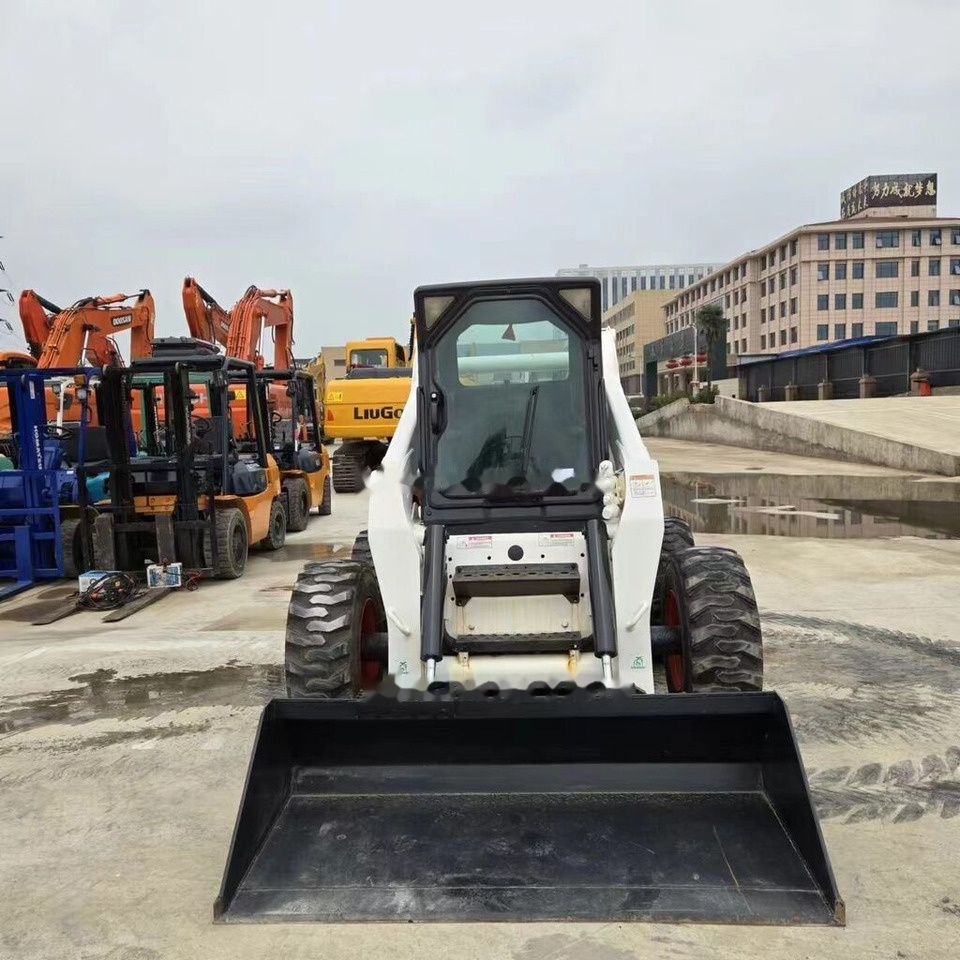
{"x": 793, "y": 276}
{"x": 888, "y": 238}
{"x": 856, "y": 301}
{"x": 955, "y": 268}
{"x": 953, "y": 323}
{"x": 783, "y": 338}
{"x": 955, "y": 298}
{"x": 933, "y": 298}
{"x": 886, "y": 328}
{"x": 763, "y": 288}
{"x": 857, "y": 269}
{"x": 763, "y": 314}
{"x": 856, "y": 331}
{"x": 935, "y": 237}
{"x": 839, "y": 301}
{"x": 914, "y": 298}
{"x": 823, "y": 301}
{"x": 856, "y": 240}
{"x": 726, "y": 301}
{"x": 823, "y": 271}
{"x": 743, "y": 346}
{"x": 736, "y": 322}
{"x": 623, "y": 286}
{"x": 914, "y": 268}
{"x": 783, "y": 280}
{"x": 840, "y": 270}
{"x": 823, "y": 241}
{"x": 643, "y": 283}
{"x": 793, "y": 334}
{"x": 839, "y": 331}
{"x": 823, "y": 331}
{"x": 743, "y": 295}
{"x": 914, "y": 326}
{"x": 933, "y": 268}
{"x": 915, "y": 238}
{"x": 793, "y": 305}
{"x": 783, "y": 253}
{"x": 886, "y": 299}
{"x": 933, "y": 326}
{"x": 886, "y": 269}
{"x": 763, "y": 341}
{"x": 840, "y": 241}
{"x": 633, "y": 284}
{"x": 955, "y": 236}
{"x": 783, "y": 308}
{"x": 793, "y": 246}
{"x": 772, "y": 258}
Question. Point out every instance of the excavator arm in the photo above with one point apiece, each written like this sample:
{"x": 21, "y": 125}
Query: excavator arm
{"x": 81, "y": 334}
{"x": 255, "y": 310}
{"x": 37, "y": 315}
{"x": 206, "y": 319}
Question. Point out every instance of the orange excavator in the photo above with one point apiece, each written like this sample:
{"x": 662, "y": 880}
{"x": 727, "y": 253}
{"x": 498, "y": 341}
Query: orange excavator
{"x": 81, "y": 335}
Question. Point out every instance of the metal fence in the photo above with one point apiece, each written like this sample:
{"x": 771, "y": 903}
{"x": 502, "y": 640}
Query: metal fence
{"x": 890, "y": 361}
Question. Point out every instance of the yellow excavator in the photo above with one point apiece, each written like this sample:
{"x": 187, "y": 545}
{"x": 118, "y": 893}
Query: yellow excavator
{"x": 362, "y": 409}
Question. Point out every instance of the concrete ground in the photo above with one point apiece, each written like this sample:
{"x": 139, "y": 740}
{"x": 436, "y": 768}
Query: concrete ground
{"x": 931, "y": 422}
{"x": 123, "y": 751}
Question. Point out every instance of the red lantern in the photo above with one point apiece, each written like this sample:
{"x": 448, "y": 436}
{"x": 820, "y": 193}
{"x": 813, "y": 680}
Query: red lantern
{"x": 672, "y": 364}
{"x": 686, "y": 361}
{"x": 701, "y": 358}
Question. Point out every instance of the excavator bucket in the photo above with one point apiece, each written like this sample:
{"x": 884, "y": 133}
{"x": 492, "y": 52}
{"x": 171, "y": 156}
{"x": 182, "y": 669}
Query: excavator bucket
{"x": 593, "y": 806}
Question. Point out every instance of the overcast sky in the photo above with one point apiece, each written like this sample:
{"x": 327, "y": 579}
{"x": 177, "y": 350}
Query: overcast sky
{"x": 351, "y": 151}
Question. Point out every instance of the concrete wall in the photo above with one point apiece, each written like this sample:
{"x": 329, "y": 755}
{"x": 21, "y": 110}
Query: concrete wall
{"x": 742, "y": 424}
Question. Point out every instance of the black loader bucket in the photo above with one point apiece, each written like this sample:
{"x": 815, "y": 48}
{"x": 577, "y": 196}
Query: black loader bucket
{"x": 509, "y": 806}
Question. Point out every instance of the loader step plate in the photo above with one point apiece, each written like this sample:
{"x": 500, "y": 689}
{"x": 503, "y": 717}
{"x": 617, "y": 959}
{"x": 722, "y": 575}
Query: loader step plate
{"x": 522, "y": 820}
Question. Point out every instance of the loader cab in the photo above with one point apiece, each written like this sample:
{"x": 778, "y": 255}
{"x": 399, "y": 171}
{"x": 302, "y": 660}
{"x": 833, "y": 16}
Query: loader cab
{"x": 516, "y": 370}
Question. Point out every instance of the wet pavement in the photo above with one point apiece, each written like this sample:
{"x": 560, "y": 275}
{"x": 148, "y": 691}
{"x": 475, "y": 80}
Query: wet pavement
{"x": 124, "y": 748}
{"x": 810, "y": 506}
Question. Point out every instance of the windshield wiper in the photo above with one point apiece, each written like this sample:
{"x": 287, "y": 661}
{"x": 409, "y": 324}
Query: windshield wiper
{"x": 528, "y": 431}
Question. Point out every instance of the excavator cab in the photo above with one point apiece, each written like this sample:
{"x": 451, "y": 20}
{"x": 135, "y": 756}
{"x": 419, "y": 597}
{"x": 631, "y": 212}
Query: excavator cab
{"x": 475, "y": 729}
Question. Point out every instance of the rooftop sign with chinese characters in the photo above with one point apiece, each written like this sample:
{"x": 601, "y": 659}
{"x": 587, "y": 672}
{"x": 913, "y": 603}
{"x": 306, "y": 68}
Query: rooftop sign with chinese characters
{"x": 889, "y": 190}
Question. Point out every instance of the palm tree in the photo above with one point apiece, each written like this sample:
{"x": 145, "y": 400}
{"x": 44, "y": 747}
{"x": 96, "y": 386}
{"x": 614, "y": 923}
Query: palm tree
{"x": 712, "y": 326}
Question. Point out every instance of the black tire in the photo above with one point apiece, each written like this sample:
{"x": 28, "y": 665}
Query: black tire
{"x": 326, "y": 504}
{"x": 707, "y": 591}
{"x": 298, "y": 504}
{"x": 233, "y": 545}
{"x": 325, "y": 629}
{"x": 72, "y": 548}
{"x": 348, "y": 472}
{"x": 277, "y": 528}
{"x": 677, "y": 536}
{"x": 361, "y": 549}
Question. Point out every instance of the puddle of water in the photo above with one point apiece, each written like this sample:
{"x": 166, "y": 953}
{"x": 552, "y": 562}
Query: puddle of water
{"x": 823, "y": 507}
{"x": 102, "y": 694}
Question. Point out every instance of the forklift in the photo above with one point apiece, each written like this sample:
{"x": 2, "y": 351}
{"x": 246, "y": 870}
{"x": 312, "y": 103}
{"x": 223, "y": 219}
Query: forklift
{"x": 184, "y": 489}
{"x": 297, "y": 446}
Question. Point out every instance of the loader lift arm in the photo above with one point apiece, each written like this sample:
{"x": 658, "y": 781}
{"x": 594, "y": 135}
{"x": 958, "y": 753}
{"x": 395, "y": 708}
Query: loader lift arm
{"x": 206, "y": 319}
{"x": 255, "y": 310}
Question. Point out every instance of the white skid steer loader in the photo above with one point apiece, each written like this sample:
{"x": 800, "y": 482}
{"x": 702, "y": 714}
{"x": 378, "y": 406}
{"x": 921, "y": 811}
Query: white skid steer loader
{"x": 473, "y": 730}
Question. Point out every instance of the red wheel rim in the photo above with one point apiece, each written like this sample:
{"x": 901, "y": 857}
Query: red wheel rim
{"x": 673, "y": 662}
{"x": 371, "y": 671}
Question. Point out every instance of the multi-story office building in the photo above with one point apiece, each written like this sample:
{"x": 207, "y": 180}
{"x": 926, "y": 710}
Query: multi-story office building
{"x": 888, "y": 266}
{"x": 619, "y": 282}
{"x": 637, "y": 320}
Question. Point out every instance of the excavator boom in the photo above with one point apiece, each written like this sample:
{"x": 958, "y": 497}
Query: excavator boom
{"x": 206, "y": 319}
{"x": 80, "y": 335}
{"x": 255, "y": 310}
